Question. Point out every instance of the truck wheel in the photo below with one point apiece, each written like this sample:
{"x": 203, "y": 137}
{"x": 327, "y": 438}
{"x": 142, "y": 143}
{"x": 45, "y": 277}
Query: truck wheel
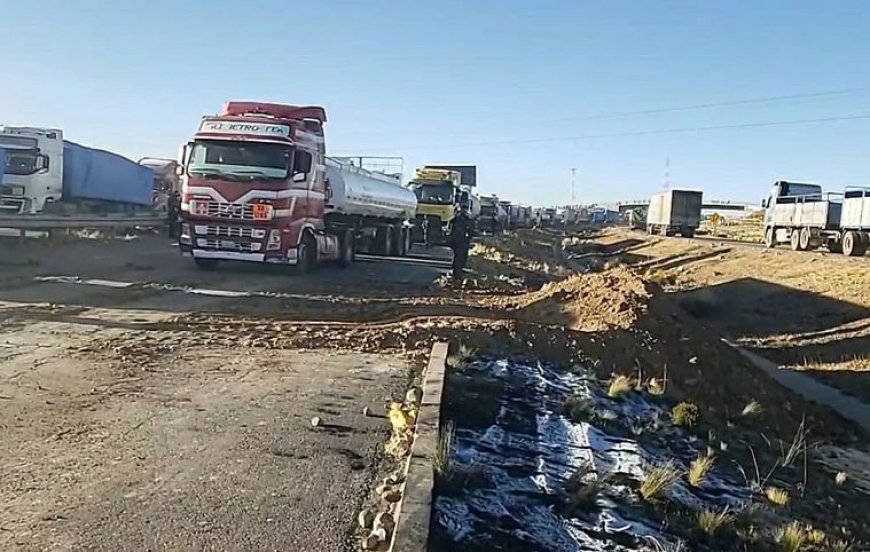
{"x": 853, "y": 244}
{"x": 795, "y": 240}
{"x": 398, "y": 241}
{"x": 688, "y": 232}
{"x": 404, "y": 241}
{"x": 649, "y": 229}
{"x": 805, "y": 241}
{"x": 770, "y": 238}
{"x": 205, "y": 264}
{"x": 347, "y": 248}
{"x": 834, "y": 246}
{"x": 306, "y": 256}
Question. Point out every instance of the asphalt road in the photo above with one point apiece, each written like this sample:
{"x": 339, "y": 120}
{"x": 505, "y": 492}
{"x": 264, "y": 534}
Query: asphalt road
{"x": 147, "y": 272}
{"x": 118, "y": 438}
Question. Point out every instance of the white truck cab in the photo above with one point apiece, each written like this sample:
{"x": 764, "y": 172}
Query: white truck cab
{"x": 34, "y": 168}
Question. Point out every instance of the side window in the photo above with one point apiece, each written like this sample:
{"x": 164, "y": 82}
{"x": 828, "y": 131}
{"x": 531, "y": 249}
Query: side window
{"x": 301, "y": 162}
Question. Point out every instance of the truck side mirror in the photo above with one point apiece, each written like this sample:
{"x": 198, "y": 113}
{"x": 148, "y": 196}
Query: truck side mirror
{"x": 764, "y": 203}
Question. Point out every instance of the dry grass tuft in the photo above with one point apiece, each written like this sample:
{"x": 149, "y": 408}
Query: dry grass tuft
{"x": 462, "y": 355}
{"x": 583, "y": 488}
{"x": 790, "y": 537}
{"x": 839, "y": 545}
{"x": 658, "y": 480}
{"x": 578, "y": 408}
{"x": 619, "y": 386}
{"x": 841, "y": 477}
{"x": 752, "y": 408}
{"x": 815, "y": 536}
{"x": 712, "y": 522}
{"x": 776, "y": 496}
{"x": 656, "y": 387}
{"x": 699, "y": 468}
{"x": 442, "y": 461}
{"x": 685, "y": 414}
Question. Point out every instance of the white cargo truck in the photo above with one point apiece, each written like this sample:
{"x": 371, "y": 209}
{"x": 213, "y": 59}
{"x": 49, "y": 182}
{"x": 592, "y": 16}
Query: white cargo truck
{"x": 674, "y": 212}
{"x": 801, "y": 215}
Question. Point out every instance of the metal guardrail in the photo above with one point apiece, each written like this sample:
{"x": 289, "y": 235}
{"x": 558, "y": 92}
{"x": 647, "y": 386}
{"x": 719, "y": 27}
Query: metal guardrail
{"x": 46, "y": 222}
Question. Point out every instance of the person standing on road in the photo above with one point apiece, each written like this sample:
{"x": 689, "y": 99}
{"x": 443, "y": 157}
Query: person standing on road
{"x": 461, "y": 232}
{"x": 173, "y": 210}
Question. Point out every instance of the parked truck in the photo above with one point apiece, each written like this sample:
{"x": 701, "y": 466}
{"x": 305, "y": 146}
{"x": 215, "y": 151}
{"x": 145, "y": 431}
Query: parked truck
{"x": 257, "y": 186}
{"x": 166, "y": 181}
{"x": 800, "y": 214}
{"x": 492, "y": 218}
{"x": 47, "y": 174}
{"x": 674, "y": 212}
{"x": 439, "y": 195}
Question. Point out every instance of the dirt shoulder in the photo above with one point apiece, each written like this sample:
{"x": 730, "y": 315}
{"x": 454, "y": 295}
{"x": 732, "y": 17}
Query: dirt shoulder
{"x": 122, "y": 440}
{"x": 807, "y": 311}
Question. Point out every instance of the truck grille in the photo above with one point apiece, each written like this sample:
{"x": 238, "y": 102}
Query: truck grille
{"x": 12, "y": 205}
{"x": 237, "y": 211}
{"x": 229, "y": 231}
{"x": 229, "y": 245}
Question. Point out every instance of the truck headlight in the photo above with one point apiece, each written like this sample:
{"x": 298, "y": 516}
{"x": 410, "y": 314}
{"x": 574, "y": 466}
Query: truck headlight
{"x": 274, "y": 241}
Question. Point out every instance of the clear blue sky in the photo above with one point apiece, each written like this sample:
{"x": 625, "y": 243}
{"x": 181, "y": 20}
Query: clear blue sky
{"x": 421, "y": 78}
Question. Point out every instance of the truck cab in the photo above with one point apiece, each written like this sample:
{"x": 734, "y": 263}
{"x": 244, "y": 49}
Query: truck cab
{"x": 33, "y": 172}
{"x": 439, "y": 195}
{"x": 799, "y": 213}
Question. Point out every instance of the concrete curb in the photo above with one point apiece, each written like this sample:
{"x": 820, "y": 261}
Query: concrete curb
{"x": 415, "y": 510}
{"x": 848, "y": 407}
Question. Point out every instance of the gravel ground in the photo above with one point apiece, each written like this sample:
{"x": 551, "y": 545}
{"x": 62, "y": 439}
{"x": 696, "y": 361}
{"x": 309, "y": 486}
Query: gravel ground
{"x": 118, "y": 438}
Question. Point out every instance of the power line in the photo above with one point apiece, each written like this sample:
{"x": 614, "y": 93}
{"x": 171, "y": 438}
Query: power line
{"x": 634, "y": 133}
{"x": 769, "y": 99}
{"x": 675, "y": 109}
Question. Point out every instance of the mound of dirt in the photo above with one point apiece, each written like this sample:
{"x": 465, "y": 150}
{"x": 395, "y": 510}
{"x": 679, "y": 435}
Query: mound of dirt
{"x": 614, "y": 298}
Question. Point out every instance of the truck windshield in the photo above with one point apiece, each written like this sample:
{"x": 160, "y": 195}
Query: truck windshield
{"x": 441, "y": 194}
{"x": 240, "y": 159}
{"x": 22, "y": 162}
{"x": 22, "y": 155}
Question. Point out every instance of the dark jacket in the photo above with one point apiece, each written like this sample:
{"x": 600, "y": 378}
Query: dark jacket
{"x": 461, "y": 230}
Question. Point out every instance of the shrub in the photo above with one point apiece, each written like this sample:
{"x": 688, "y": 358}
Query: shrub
{"x": 685, "y": 414}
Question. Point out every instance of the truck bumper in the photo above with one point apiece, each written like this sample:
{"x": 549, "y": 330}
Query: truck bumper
{"x": 218, "y": 255}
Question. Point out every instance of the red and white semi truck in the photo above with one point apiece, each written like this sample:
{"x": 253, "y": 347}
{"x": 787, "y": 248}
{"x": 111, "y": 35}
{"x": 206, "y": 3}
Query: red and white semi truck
{"x": 257, "y": 186}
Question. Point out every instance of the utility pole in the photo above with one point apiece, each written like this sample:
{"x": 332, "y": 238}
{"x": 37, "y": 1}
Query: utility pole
{"x": 573, "y": 174}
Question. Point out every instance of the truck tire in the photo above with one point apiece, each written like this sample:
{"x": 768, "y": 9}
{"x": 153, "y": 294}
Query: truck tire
{"x": 404, "y": 241}
{"x": 384, "y": 241}
{"x": 307, "y": 254}
{"x": 853, "y": 244}
{"x": 688, "y": 232}
{"x": 835, "y": 246}
{"x": 795, "y": 240}
{"x": 398, "y": 239}
{"x": 347, "y": 248}
{"x": 205, "y": 264}
{"x": 805, "y": 239}
{"x": 770, "y": 237}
